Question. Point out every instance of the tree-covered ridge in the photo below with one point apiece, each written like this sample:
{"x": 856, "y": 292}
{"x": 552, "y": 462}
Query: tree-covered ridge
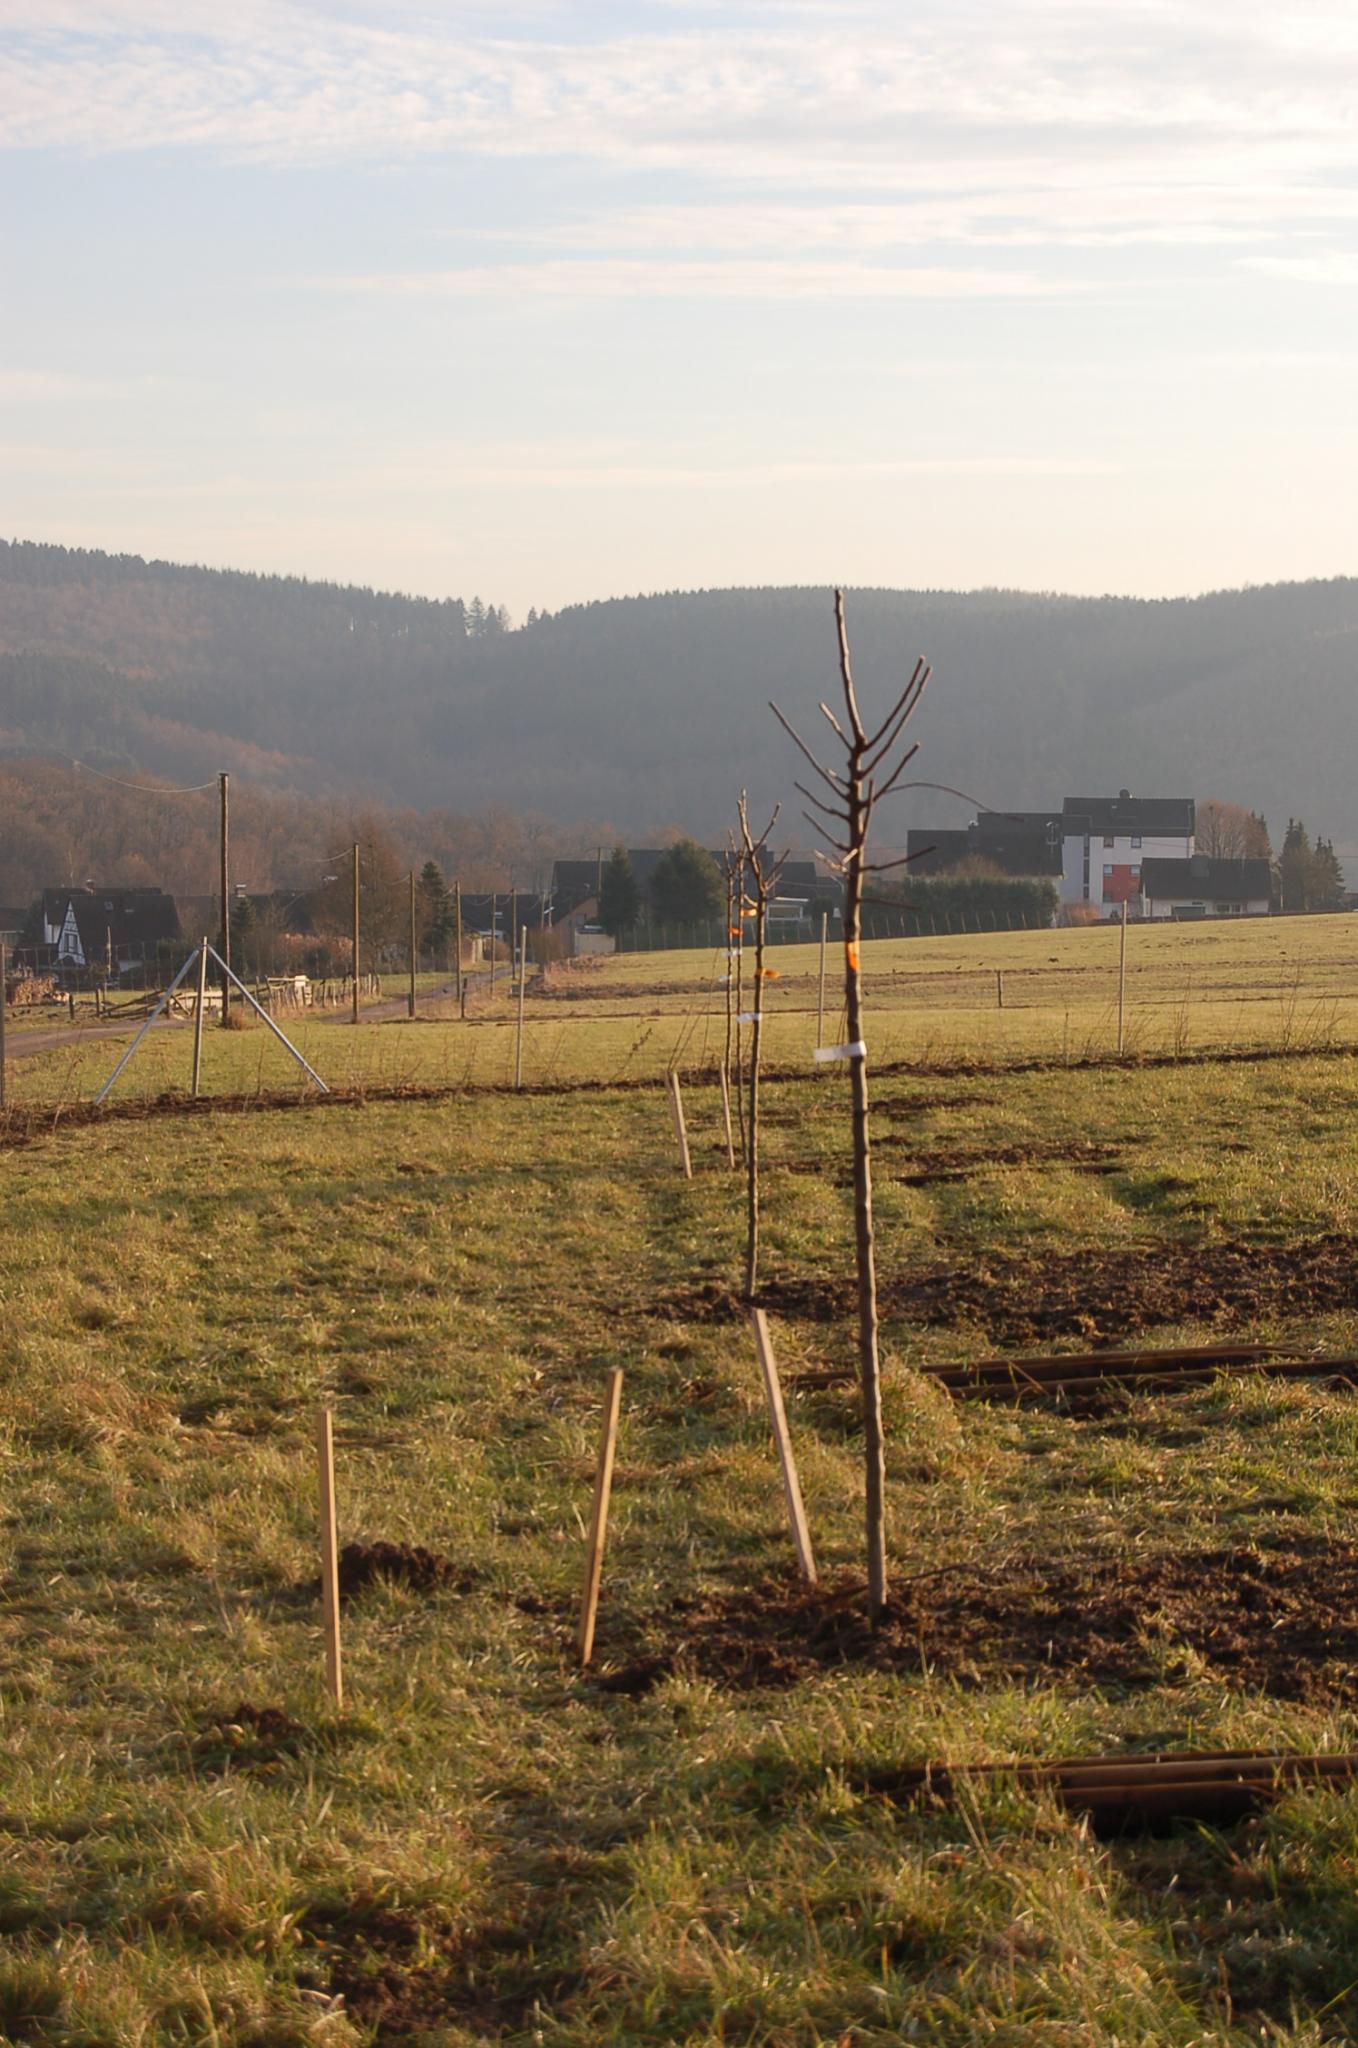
{"x": 651, "y": 710}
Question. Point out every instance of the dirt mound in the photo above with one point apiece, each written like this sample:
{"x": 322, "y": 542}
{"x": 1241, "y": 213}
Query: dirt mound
{"x": 400, "y": 1972}
{"x": 248, "y": 1738}
{"x": 1280, "y": 1621}
{"x": 1099, "y": 1295}
{"x": 400, "y": 1564}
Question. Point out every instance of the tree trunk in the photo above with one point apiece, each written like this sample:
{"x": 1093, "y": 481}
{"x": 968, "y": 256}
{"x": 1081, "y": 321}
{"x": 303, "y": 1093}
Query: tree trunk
{"x": 752, "y": 1155}
{"x": 869, "y": 1362}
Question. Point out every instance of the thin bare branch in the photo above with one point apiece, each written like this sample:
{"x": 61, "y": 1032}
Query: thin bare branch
{"x": 818, "y": 825}
{"x": 829, "y": 809}
{"x": 912, "y": 691}
{"x": 898, "y": 720}
{"x": 906, "y": 758}
{"x": 846, "y": 671}
{"x": 834, "y": 721}
{"x": 836, "y": 782}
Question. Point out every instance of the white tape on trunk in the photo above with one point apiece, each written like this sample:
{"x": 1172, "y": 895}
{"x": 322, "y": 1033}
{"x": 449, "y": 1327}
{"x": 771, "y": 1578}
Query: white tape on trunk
{"x": 856, "y": 1051}
{"x": 746, "y": 1017}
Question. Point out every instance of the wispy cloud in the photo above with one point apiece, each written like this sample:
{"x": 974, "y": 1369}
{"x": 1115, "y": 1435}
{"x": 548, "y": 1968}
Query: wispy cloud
{"x": 32, "y": 387}
{"x": 684, "y": 278}
{"x": 1326, "y": 266}
{"x": 796, "y": 138}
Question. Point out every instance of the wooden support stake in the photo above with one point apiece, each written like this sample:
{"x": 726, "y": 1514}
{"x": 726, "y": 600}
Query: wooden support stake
{"x": 518, "y": 1029}
{"x": 820, "y": 994}
{"x": 198, "y": 1010}
{"x": 680, "y": 1129}
{"x": 598, "y": 1525}
{"x": 796, "y": 1512}
{"x": 325, "y": 1452}
{"x": 414, "y": 948}
{"x": 726, "y": 1118}
{"x": 1122, "y": 979}
{"x": 3, "y": 971}
{"x": 999, "y": 988}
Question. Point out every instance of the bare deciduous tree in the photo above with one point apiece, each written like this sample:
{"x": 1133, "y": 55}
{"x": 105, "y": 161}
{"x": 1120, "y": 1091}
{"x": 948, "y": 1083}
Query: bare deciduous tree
{"x": 873, "y": 764}
{"x": 763, "y": 870}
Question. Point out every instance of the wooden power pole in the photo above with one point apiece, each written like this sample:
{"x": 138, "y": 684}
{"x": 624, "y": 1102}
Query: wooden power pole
{"x": 355, "y": 934}
{"x": 225, "y": 947}
{"x": 411, "y": 998}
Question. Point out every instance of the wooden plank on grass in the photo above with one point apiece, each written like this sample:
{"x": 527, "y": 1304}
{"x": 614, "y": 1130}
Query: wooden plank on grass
{"x": 796, "y": 1512}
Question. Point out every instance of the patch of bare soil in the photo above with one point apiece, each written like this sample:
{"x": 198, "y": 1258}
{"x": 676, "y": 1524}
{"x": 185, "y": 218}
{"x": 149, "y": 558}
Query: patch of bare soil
{"x": 961, "y": 1162}
{"x": 248, "y": 1737}
{"x": 399, "y": 1973}
{"x": 929, "y": 1167}
{"x": 1095, "y": 1294}
{"x": 400, "y": 1564}
{"x": 919, "y": 1105}
{"x": 1281, "y": 1621}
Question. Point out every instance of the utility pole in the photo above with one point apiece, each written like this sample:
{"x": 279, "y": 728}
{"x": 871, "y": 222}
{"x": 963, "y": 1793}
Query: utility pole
{"x": 225, "y": 947}
{"x": 355, "y": 933}
{"x": 412, "y": 942}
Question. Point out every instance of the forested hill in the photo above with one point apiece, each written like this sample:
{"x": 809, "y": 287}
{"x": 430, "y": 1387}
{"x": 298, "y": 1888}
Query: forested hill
{"x": 649, "y": 709}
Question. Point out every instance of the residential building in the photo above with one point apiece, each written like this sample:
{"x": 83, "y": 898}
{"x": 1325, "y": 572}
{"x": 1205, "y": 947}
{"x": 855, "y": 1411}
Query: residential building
{"x": 1107, "y": 840}
{"x": 107, "y": 930}
{"x": 1204, "y": 887}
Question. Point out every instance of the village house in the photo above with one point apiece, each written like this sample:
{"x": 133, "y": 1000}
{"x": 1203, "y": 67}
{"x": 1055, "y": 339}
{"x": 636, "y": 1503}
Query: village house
{"x": 107, "y": 930}
{"x": 1202, "y": 887}
{"x": 1107, "y": 840}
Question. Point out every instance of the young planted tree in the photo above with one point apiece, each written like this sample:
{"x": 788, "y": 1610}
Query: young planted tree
{"x": 873, "y": 763}
{"x": 763, "y": 870}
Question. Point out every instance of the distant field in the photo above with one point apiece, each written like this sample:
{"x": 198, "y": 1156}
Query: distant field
{"x": 484, "y": 1847}
{"x": 1288, "y": 982}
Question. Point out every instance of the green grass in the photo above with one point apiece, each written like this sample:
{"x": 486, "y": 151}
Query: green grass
{"x": 1289, "y": 983}
{"x": 513, "y": 1854}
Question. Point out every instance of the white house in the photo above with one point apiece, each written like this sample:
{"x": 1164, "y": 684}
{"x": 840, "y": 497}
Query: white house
{"x": 1106, "y": 841}
{"x": 1201, "y": 887}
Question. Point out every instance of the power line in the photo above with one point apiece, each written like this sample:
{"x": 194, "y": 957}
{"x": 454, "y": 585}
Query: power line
{"x": 141, "y": 788}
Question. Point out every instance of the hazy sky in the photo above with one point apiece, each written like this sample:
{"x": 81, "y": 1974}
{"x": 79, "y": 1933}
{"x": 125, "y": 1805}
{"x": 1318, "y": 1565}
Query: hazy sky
{"x": 549, "y": 302}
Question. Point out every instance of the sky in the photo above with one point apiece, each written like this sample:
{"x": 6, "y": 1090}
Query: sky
{"x": 550, "y": 302}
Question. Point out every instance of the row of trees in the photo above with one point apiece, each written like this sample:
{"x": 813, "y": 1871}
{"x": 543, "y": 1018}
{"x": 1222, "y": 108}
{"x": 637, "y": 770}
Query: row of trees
{"x": 685, "y": 887}
{"x": 1307, "y": 877}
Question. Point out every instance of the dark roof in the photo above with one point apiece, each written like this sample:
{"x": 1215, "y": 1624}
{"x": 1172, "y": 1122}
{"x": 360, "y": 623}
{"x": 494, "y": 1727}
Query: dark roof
{"x": 1201, "y": 879}
{"x": 476, "y": 910}
{"x": 1021, "y": 842}
{"x": 575, "y": 881}
{"x": 1123, "y": 815}
{"x": 931, "y": 853}
{"x": 133, "y": 917}
{"x": 1016, "y": 842}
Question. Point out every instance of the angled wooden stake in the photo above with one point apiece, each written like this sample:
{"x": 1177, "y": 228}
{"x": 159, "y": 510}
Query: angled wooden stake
{"x": 199, "y": 1007}
{"x": 598, "y": 1526}
{"x": 325, "y": 1454}
{"x": 796, "y": 1512}
{"x": 726, "y": 1118}
{"x": 680, "y": 1128}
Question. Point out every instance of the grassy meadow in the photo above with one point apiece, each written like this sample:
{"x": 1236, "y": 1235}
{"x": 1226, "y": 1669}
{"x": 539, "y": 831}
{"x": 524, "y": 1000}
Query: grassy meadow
{"x": 684, "y": 1846}
{"x": 1007, "y": 997}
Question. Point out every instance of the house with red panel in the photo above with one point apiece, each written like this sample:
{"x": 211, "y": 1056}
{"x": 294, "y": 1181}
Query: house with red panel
{"x": 1106, "y": 840}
